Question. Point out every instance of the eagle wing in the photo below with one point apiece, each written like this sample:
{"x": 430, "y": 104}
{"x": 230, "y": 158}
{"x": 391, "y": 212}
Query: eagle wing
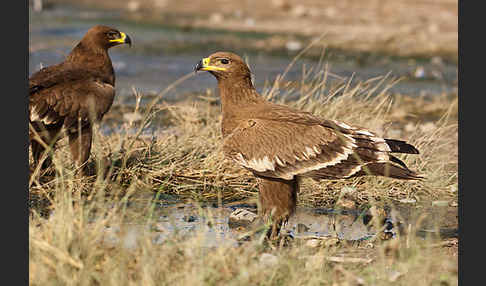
{"x": 64, "y": 93}
{"x": 324, "y": 150}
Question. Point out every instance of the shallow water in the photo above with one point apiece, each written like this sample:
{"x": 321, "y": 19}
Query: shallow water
{"x": 162, "y": 54}
{"x": 211, "y": 224}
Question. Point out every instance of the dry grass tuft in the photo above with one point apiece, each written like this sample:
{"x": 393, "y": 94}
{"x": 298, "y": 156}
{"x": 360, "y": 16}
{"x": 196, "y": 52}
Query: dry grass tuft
{"x": 183, "y": 159}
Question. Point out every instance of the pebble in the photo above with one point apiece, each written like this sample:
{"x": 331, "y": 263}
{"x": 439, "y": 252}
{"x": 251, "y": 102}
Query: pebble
{"x": 216, "y": 18}
{"x": 250, "y": 22}
{"x": 293, "y": 45}
{"x": 313, "y": 243}
{"x": 299, "y": 11}
{"x": 436, "y": 60}
{"x": 241, "y": 217}
{"x": 133, "y": 6}
{"x": 394, "y": 275}
{"x": 302, "y": 228}
{"x": 419, "y": 72}
{"x": 348, "y": 190}
{"x": 189, "y": 218}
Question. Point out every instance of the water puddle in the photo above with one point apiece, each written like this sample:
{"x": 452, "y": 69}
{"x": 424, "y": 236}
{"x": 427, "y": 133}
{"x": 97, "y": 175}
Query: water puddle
{"x": 214, "y": 227}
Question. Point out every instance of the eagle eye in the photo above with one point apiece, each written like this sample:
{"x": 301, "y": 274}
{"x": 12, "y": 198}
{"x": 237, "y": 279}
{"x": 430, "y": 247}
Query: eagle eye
{"x": 224, "y": 61}
{"x": 112, "y": 34}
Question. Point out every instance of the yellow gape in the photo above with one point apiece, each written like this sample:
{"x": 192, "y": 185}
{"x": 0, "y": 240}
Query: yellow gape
{"x": 120, "y": 40}
{"x": 207, "y": 67}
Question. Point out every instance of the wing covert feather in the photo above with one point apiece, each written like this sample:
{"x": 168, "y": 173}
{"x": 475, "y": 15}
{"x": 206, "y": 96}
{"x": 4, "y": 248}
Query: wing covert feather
{"x": 285, "y": 149}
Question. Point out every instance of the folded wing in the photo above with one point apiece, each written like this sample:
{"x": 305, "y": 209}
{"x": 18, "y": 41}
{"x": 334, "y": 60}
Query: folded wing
{"x": 328, "y": 150}
{"x": 68, "y": 94}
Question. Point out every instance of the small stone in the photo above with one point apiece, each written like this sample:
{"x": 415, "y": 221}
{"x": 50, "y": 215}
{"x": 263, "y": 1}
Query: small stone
{"x": 293, "y": 45}
{"x": 250, "y": 22}
{"x": 299, "y": 11}
{"x": 348, "y": 190}
{"x": 346, "y": 202}
{"x": 189, "y": 218}
{"x": 313, "y": 243}
{"x": 394, "y": 275}
{"x": 419, "y": 72}
{"x": 302, "y": 228}
{"x": 332, "y": 241}
{"x": 436, "y": 60}
{"x": 133, "y": 6}
{"x": 241, "y": 217}
{"x": 216, "y": 18}
{"x": 453, "y": 189}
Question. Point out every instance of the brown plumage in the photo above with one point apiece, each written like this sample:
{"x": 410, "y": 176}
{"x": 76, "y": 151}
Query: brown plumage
{"x": 72, "y": 95}
{"x": 280, "y": 144}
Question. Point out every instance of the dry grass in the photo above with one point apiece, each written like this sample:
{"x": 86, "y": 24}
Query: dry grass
{"x": 184, "y": 158}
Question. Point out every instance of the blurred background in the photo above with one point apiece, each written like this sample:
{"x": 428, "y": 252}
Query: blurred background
{"x": 415, "y": 40}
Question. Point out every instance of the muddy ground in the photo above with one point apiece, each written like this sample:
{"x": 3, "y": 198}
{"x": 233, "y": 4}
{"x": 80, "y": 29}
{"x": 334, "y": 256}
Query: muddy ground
{"x": 403, "y": 28}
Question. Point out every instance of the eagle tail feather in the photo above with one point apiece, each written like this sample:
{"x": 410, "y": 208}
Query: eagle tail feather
{"x": 399, "y": 146}
{"x": 388, "y": 170}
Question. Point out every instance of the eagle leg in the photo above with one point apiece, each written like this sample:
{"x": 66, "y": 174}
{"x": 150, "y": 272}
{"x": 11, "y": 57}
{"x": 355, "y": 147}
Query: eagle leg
{"x": 80, "y": 146}
{"x": 37, "y": 152}
{"x": 278, "y": 200}
{"x": 39, "y": 137}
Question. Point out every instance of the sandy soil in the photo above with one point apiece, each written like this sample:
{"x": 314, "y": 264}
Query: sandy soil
{"x": 405, "y": 27}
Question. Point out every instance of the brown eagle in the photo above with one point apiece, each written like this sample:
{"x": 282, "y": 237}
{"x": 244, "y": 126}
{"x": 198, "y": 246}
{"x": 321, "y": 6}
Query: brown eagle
{"x": 279, "y": 145}
{"x": 67, "y": 98}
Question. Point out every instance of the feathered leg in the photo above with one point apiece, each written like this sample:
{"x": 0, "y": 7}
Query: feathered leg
{"x": 80, "y": 146}
{"x": 278, "y": 199}
{"x": 48, "y": 136}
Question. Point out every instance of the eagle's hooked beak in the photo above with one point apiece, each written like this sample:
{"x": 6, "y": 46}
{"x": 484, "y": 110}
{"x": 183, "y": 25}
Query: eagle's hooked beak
{"x": 204, "y": 65}
{"x": 198, "y": 66}
{"x": 124, "y": 39}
